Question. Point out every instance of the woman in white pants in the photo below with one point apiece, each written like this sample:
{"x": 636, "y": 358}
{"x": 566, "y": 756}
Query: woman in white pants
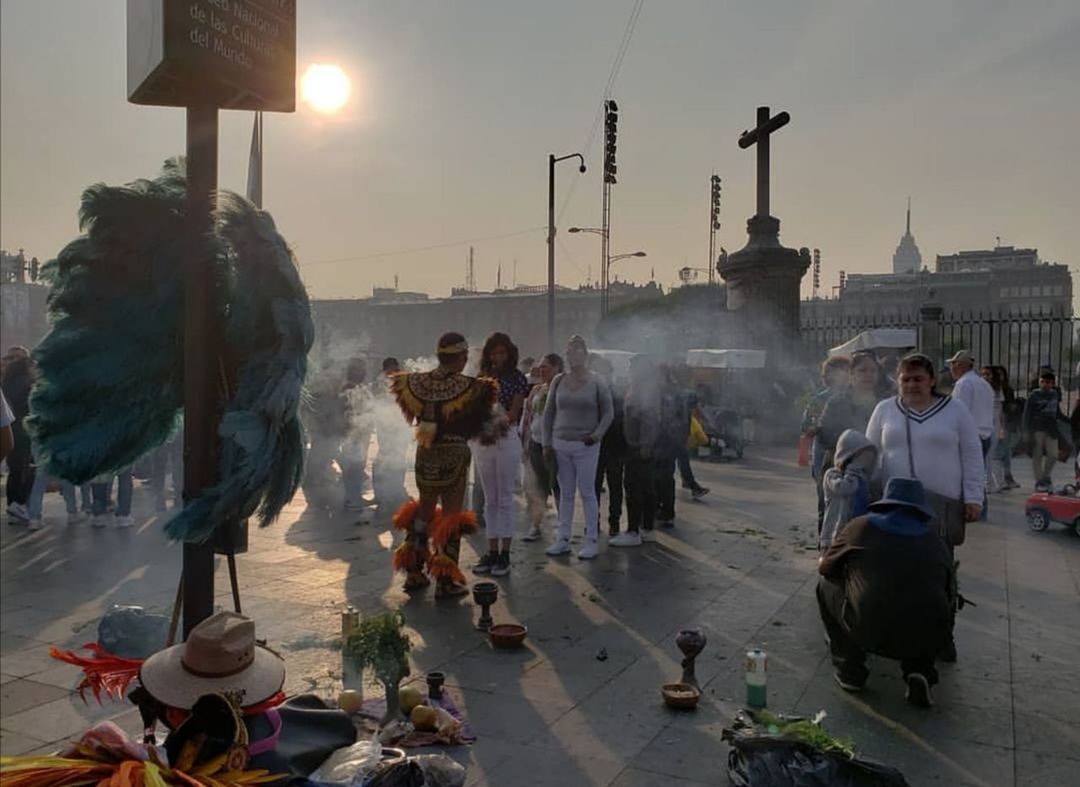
{"x": 498, "y": 465}
{"x": 577, "y": 414}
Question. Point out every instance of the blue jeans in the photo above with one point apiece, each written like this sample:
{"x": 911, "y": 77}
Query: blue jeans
{"x": 37, "y": 496}
{"x": 125, "y": 487}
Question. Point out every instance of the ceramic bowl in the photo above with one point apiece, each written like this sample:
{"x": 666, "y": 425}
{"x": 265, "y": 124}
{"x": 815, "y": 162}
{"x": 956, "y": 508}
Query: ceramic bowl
{"x": 680, "y": 695}
{"x": 507, "y": 636}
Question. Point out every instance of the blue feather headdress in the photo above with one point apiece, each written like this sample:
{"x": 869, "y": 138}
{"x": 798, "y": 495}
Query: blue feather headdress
{"x": 110, "y": 370}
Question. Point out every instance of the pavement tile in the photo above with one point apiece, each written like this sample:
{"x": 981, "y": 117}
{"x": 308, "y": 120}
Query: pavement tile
{"x": 632, "y": 777}
{"x": 18, "y": 695}
{"x": 13, "y": 743}
{"x": 735, "y": 567}
{"x": 1034, "y": 769}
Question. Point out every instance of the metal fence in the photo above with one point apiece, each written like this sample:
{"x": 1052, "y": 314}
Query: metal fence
{"x": 1022, "y": 344}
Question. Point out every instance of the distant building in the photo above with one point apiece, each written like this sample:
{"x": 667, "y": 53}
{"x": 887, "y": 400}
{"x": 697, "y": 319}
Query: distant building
{"x": 906, "y": 258}
{"x": 407, "y": 324}
{"x": 22, "y": 301}
{"x": 999, "y": 282}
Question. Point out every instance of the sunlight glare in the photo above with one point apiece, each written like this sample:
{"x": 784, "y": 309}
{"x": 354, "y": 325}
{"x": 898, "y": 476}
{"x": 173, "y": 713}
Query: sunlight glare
{"x": 325, "y": 88}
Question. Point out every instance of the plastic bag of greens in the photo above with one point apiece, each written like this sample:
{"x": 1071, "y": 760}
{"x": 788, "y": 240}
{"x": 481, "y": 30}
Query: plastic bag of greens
{"x": 769, "y": 750}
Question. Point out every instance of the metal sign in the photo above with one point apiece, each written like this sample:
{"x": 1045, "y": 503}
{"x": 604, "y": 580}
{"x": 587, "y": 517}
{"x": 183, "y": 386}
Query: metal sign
{"x": 230, "y": 54}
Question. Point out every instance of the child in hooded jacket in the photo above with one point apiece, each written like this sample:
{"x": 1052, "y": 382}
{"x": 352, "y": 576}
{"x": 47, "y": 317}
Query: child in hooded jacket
{"x": 846, "y": 484}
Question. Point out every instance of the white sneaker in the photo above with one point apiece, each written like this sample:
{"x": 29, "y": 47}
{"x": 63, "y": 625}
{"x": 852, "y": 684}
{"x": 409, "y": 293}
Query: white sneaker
{"x": 100, "y": 520}
{"x": 560, "y": 547}
{"x": 76, "y": 517}
{"x": 35, "y": 524}
{"x": 647, "y": 536}
{"x": 18, "y": 510}
{"x": 589, "y": 551}
{"x": 533, "y": 534}
{"x": 123, "y": 521}
{"x": 627, "y": 539}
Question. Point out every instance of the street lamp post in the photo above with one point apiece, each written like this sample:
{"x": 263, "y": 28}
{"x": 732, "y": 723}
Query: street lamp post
{"x": 616, "y": 258}
{"x": 606, "y": 265}
{"x": 552, "y": 161}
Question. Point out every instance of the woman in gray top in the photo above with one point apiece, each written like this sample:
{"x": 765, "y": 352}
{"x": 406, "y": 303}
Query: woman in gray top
{"x": 577, "y": 413}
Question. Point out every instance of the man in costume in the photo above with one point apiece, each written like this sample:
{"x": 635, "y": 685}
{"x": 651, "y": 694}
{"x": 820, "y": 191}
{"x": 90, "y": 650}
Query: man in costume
{"x": 449, "y": 409}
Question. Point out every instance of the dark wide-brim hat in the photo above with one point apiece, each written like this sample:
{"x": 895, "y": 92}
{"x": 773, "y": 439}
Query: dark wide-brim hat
{"x": 220, "y": 656}
{"x": 904, "y": 493}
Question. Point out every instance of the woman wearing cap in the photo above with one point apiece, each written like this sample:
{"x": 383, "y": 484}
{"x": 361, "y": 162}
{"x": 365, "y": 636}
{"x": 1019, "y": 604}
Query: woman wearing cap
{"x": 925, "y": 435}
{"x": 449, "y": 409}
{"x": 498, "y": 464}
{"x": 577, "y": 414}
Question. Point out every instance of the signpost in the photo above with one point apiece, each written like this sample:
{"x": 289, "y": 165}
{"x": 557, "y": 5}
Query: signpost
{"x": 206, "y": 55}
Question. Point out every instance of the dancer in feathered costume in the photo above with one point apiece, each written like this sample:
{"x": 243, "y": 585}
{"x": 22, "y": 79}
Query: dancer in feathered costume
{"x": 449, "y": 409}
{"x": 110, "y": 384}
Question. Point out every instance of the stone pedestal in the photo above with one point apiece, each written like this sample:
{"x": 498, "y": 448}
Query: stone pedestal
{"x": 763, "y": 280}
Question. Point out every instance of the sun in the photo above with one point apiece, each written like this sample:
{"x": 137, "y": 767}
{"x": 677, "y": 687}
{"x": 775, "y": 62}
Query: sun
{"x": 325, "y": 88}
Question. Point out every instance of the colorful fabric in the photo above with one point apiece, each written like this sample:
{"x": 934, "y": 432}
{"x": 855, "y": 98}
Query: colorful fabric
{"x": 444, "y": 405}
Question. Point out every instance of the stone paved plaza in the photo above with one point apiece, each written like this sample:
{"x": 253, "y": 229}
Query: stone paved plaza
{"x": 739, "y": 566}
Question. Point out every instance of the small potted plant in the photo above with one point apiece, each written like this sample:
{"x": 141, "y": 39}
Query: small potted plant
{"x": 380, "y": 645}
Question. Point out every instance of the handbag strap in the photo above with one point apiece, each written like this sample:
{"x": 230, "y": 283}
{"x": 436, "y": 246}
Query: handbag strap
{"x": 907, "y": 430}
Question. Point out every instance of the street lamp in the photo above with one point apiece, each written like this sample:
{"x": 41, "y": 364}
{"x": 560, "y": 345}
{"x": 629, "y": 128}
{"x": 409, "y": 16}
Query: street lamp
{"x": 594, "y": 230}
{"x": 618, "y": 257}
{"x": 552, "y": 161}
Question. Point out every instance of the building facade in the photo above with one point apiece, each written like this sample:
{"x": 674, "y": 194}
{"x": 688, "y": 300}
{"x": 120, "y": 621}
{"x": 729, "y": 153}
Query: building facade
{"x": 407, "y": 327}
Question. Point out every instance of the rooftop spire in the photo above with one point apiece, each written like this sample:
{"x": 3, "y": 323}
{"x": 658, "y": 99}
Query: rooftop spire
{"x": 908, "y": 229}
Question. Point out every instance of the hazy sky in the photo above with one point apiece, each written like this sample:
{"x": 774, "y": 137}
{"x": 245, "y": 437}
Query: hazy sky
{"x": 970, "y": 106}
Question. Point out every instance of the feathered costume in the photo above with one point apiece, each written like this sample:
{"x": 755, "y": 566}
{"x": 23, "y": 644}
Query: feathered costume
{"x": 110, "y": 385}
{"x": 448, "y": 409}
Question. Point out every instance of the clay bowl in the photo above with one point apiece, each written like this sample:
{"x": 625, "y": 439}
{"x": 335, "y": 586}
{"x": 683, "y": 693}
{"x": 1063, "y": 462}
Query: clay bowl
{"x": 507, "y": 636}
{"x": 682, "y": 696}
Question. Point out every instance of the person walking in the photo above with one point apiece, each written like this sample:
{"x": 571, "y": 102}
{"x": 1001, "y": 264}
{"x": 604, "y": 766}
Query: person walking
{"x": 388, "y": 468}
{"x": 1012, "y": 416}
{"x": 101, "y": 491}
{"x": 1040, "y": 429}
{"x": 884, "y": 589}
{"x": 682, "y": 456}
{"x": 609, "y": 468}
{"x": 16, "y": 379}
{"x": 977, "y": 396}
{"x": 499, "y": 463}
{"x": 641, "y": 430}
{"x": 674, "y": 432}
{"x": 357, "y": 402}
{"x": 542, "y": 476}
{"x": 925, "y": 435}
{"x": 577, "y": 414}
{"x": 835, "y": 378}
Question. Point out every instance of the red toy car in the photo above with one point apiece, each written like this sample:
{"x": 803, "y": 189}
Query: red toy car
{"x": 1043, "y": 508}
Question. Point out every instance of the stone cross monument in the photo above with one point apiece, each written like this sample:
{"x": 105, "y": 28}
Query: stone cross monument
{"x": 763, "y": 277}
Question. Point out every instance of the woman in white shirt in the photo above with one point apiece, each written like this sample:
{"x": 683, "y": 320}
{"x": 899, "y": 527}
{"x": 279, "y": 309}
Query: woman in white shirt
{"x": 926, "y": 435}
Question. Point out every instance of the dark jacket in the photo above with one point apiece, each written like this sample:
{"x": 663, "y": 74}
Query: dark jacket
{"x": 613, "y": 442}
{"x": 896, "y": 576}
{"x": 674, "y": 422}
{"x": 1042, "y": 411}
{"x": 18, "y": 379}
{"x": 842, "y": 412}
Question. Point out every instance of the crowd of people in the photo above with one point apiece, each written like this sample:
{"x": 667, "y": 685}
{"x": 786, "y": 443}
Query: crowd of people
{"x": 901, "y": 467}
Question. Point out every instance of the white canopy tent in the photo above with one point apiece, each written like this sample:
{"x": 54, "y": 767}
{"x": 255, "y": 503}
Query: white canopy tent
{"x": 725, "y": 359}
{"x": 619, "y": 360}
{"x": 879, "y": 339}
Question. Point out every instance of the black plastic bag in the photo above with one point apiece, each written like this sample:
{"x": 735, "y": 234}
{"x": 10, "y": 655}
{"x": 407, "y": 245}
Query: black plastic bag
{"x": 763, "y": 759}
{"x": 405, "y": 773}
{"x": 132, "y": 632}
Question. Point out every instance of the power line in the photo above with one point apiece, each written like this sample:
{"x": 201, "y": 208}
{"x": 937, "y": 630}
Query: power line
{"x": 451, "y": 244}
{"x": 616, "y": 66}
